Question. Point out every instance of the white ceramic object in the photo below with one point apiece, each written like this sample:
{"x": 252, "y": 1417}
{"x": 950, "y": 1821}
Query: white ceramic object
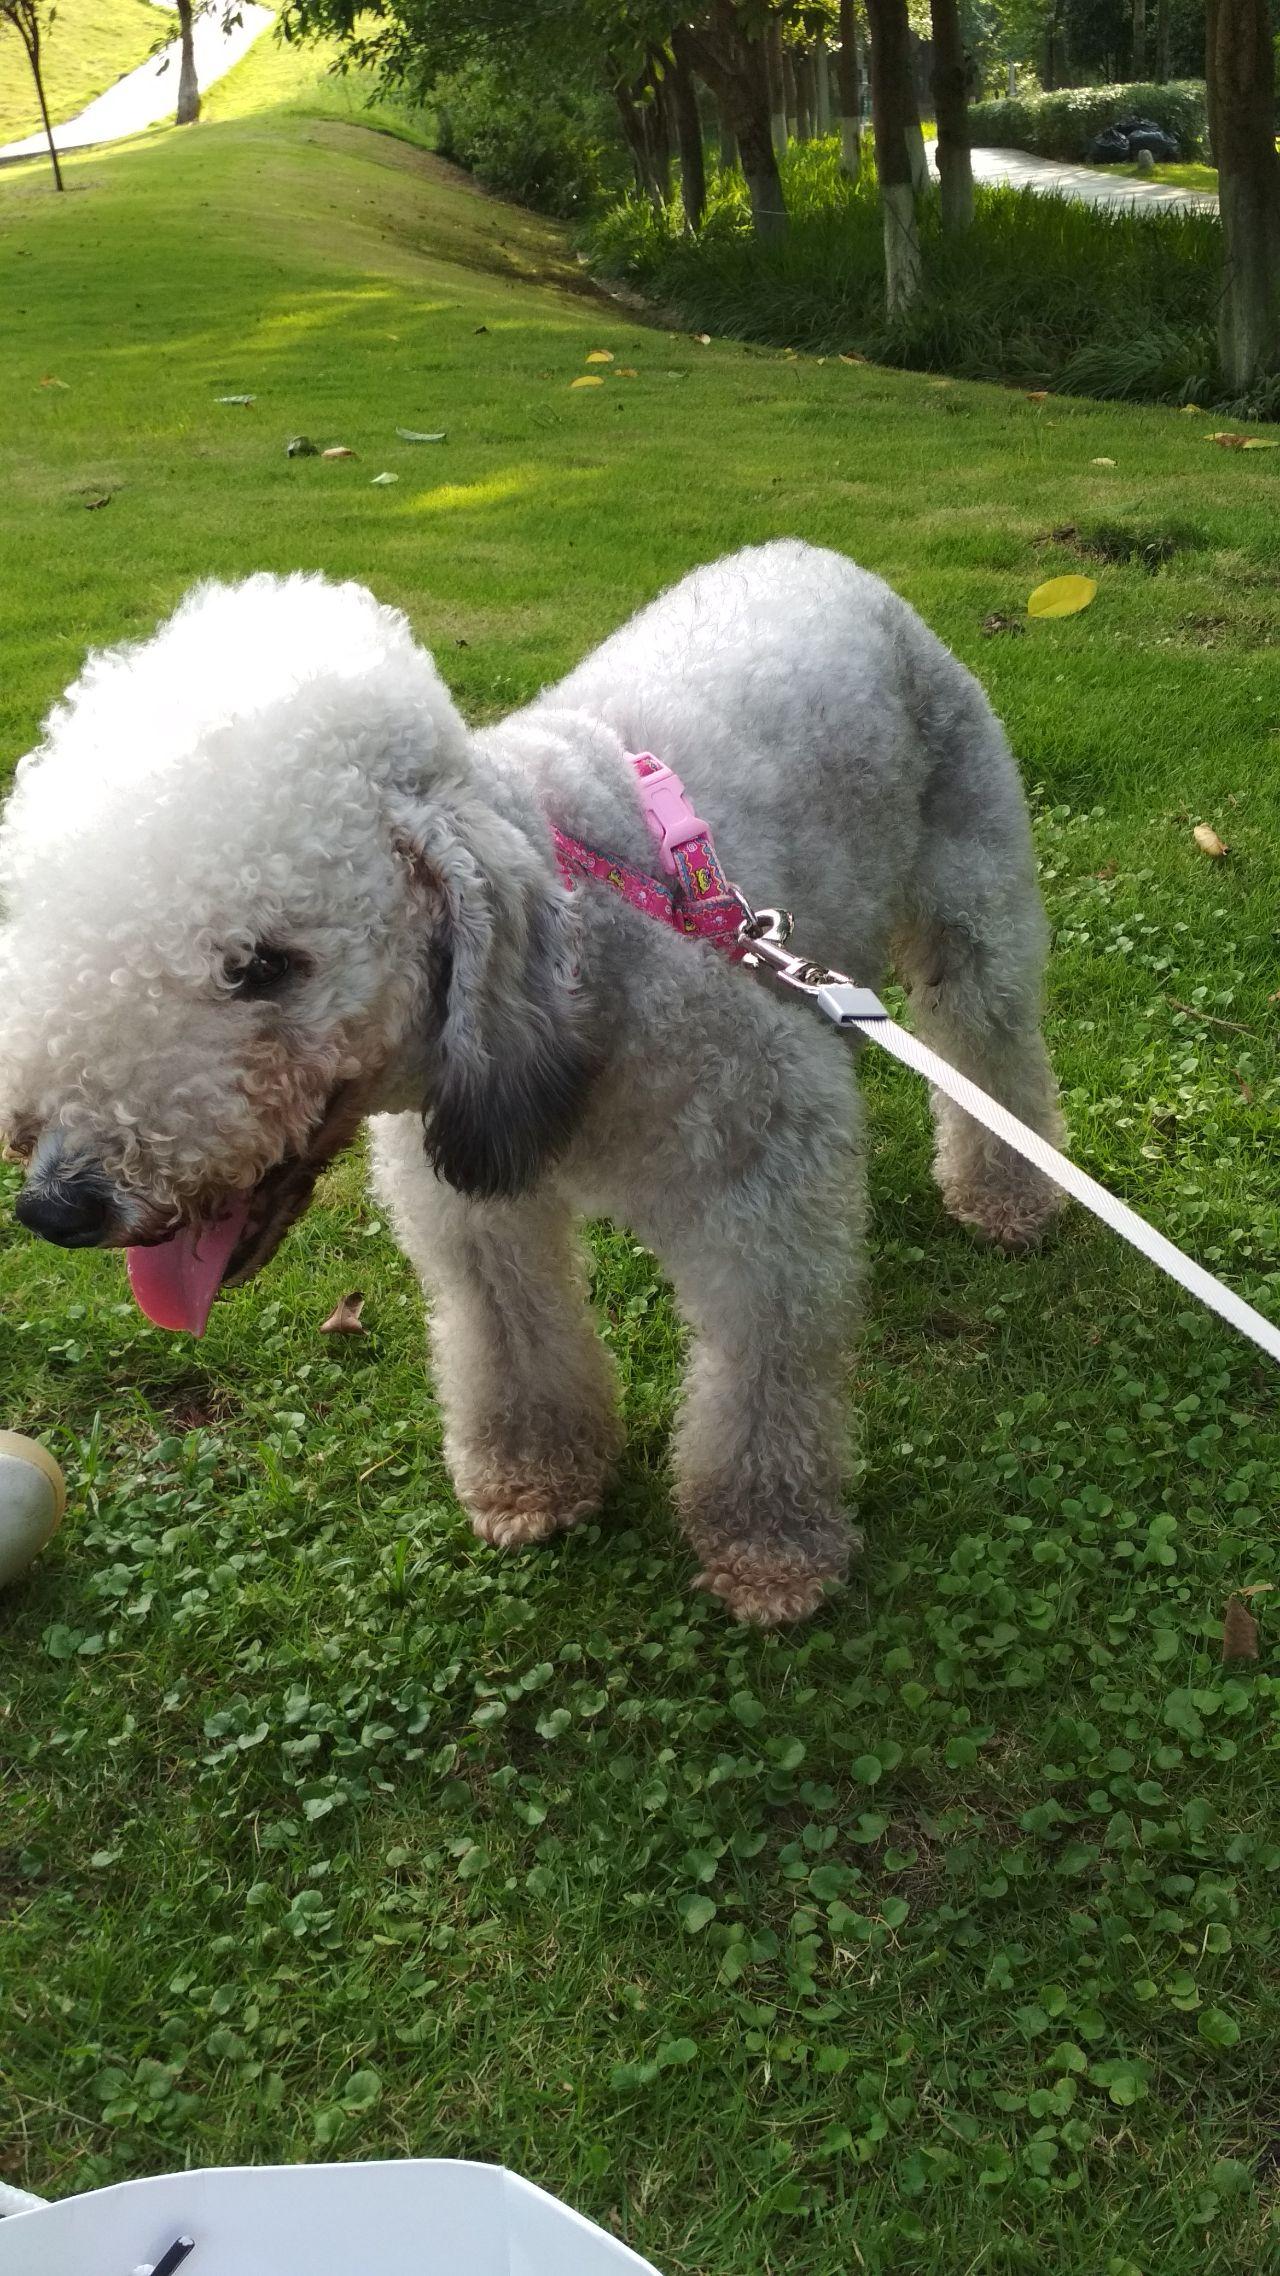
{"x": 413, "y": 2217}
{"x": 33, "y": 1496}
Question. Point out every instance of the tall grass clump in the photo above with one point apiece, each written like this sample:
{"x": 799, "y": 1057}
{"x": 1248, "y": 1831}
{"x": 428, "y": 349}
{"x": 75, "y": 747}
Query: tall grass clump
{"x": 1042, "y": 291}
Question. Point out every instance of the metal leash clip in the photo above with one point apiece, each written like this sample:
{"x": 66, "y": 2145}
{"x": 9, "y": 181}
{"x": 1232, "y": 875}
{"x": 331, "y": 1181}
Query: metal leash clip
{"x": 763, "y": 935}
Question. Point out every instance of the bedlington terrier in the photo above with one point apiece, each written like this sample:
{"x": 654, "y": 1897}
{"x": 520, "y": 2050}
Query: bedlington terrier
{"x": 260, "y": 881}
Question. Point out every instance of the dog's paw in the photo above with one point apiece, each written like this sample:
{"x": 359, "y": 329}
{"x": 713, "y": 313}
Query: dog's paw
{"x": 509, "y": 1513}
{"x": 767, "y": 1595}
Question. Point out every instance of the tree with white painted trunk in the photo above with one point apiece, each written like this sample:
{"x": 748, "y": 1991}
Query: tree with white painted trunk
{"x": 1240, "y": 72}
{"x": 897, "y": 122}
{"x": 951, "y": 101}
{"x": 849, "y": 91}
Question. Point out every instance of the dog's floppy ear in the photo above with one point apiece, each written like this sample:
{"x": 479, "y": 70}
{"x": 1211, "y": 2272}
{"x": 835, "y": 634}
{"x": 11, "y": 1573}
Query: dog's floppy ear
{"x": 508, "y": 1065}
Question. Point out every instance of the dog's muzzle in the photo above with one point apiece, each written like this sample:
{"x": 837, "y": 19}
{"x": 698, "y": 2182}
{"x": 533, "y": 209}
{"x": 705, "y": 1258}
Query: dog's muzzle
{"x": 72, "y": 1204}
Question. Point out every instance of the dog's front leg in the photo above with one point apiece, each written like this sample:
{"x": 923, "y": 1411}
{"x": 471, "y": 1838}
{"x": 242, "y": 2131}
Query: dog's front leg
{"x": 527, "y": 1388}
{"x": 766, "y": 1262}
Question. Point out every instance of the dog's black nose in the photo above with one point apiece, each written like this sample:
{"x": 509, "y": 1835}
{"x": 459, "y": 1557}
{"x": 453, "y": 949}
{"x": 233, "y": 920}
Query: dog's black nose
{"x": 73, "y": 1211}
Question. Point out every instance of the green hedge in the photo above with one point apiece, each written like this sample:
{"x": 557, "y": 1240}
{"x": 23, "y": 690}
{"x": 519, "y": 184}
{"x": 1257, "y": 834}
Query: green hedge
{"x": 558, "y": 149}
{"x": 1067, "y": 124}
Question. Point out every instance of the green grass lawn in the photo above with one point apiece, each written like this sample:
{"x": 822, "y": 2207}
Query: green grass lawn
{"x": 940, "y": 1936}
{"x": 1191, "y": 175}
{"x": 89, "y": 45}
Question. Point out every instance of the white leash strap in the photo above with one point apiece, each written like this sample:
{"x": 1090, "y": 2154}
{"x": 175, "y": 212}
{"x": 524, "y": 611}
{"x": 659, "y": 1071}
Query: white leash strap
{"x": 848, "y": 1006}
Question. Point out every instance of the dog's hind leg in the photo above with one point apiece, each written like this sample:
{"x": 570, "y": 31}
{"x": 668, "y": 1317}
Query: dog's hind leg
{"x": 531, "y": 1425}
{"x": 972, "y": 952}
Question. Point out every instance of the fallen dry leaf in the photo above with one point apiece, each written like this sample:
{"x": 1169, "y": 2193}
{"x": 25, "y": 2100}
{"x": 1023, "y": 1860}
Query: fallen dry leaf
{"x": 1239, "y": 1632}
{"x": 301, "y": 446}
{"x": 345, "y": 1318}
{"x": 1062, "y": 596}
{"x": 50, "y": 381}
{"x": 627, "y": 371}
{"x": 1228, "y": 441}
{"x": 1208, "y": 841}
{"x": 1108, "y": 869}
{"x": 590, "y": 379}
{"x": 1245, "y": 1089}
{"x": 704, "y": 340}
{"x": 242, "y": 399}
{"x": 998, "y": 623}
{"x": 382, "y": 481}
{"x": 600, "y": 356}
{"x": 1102, "y": 462}
{"x": 416, "y": 435}
{"x": 1064, "y": 533}
{"x": 1037, "y": 394}
{"x": 1257, "y": 1588}
{"x": 103, "y": 498}
{"x": 851, "y": 356}
{"x": 339, "y": 450}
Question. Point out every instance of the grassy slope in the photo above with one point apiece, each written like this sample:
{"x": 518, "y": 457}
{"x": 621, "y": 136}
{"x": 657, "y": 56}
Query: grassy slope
{"x": 331, "y": 1833}
{"x": 90, "y": 45}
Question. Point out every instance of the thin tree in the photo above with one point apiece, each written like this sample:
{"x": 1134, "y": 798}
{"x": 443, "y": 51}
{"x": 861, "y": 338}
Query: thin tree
{"x": 777, "y": 86}
{"x": 951, "y": 101}
{"x": 188, "y": 110}
{"x": 688, "y": 123}
{"x": 31, "y": 19}
{"x": 1240, "y": 75}
{"x": 1162, "y": 40}
{"x": 894, "y": 115}
{"x": 1139, "y": 39}
{"x": 849, "y": 89}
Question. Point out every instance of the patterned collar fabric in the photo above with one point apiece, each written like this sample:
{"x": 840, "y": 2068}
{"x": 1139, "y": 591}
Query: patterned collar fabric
{"x": 696, "y": 897}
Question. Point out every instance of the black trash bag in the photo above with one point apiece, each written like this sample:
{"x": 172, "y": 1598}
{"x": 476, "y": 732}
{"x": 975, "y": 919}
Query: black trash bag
{"x": 1110, "y": 149}
{"x": 1153, "y": 138}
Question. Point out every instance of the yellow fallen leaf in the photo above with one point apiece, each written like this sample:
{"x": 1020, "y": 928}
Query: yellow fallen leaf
{"x": 851, "y": 356}
{"x": 1189, "y": 407}
{"x": 703, "y": 339}
{"x": 1037, "y": 394}
{"x": 590, "y": 379}
{"x": 1102, "y": 462}
{"x": 1261, "y": 442}
{"x": 600, "y": 356}
{"x": 1208, "y": 841}
{"x": 627, "y": 371}
{"x": 1062, "y": 596}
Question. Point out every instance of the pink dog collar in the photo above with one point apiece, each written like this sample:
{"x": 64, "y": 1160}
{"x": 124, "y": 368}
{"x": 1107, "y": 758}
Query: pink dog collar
{"x": 699, "y": 901}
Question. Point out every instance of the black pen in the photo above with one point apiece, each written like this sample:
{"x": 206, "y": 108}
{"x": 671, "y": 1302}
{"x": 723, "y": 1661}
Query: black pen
{"x": 174, "y": 2257}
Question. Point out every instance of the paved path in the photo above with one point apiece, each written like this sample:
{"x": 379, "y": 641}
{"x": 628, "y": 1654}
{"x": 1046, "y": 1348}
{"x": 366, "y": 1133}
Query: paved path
{"x": 149, "y": 94}
{"x": 1023, "y": 171}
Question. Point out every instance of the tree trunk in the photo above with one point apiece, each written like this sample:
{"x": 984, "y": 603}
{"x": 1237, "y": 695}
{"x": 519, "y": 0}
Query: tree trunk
{"x": 1240, "y": 76}
{"x": 688, "y": 125}
{"x": 29, "y": 34}
{"x": 1162, "y": 40}
{"x": 893, "y": 107}
{"x": 727, "y": 139}
{"x": 1139, "y": 39}
{"x": 802, "y": 65}
{"x": 777, "y": 87}
{"x": 790, "y": 99}
{"x": 951, "y": 101}
{"x": 188, "y": 84}
{"x": 733, "y": 66}
{"x": 821, "y": 87}
{"x": 636, "y": 136}
{"x": 849, "y": 89}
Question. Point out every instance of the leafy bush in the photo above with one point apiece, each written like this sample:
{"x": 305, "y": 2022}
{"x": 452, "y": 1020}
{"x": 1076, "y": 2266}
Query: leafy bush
{"x": 1066, "y": 124}
{"x": 556, "y": 149}
{"x": 1042, "y": 291}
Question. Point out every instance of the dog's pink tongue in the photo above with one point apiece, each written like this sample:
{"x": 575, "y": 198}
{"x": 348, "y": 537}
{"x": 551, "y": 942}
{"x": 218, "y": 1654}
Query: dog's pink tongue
{"x": 175, "y": 1281}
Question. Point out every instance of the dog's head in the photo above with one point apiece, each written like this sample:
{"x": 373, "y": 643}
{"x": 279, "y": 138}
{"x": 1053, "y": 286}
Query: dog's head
{"x": 255, "y": 883}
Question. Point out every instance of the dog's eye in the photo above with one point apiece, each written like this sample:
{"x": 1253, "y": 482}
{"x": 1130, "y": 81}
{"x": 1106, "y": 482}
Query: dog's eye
{"x": 263, "y": 973}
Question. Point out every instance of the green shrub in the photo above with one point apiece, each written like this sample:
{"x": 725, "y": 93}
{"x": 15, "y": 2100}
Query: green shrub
{"x": 1042, "y": 291}
{"x": 1067, "y": 124}
{"x": 556, "y": 149}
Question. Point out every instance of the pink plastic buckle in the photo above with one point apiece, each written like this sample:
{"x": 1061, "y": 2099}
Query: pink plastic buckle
{"x": 667, "y": 810}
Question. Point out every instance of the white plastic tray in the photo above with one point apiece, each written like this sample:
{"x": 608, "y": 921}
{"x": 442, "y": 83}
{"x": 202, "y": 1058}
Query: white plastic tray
{"x": 409, "y": 2217}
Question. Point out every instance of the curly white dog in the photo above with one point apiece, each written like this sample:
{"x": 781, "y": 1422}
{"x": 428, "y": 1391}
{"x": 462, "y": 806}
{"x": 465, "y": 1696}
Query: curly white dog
{"x": 261, "y": 881}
